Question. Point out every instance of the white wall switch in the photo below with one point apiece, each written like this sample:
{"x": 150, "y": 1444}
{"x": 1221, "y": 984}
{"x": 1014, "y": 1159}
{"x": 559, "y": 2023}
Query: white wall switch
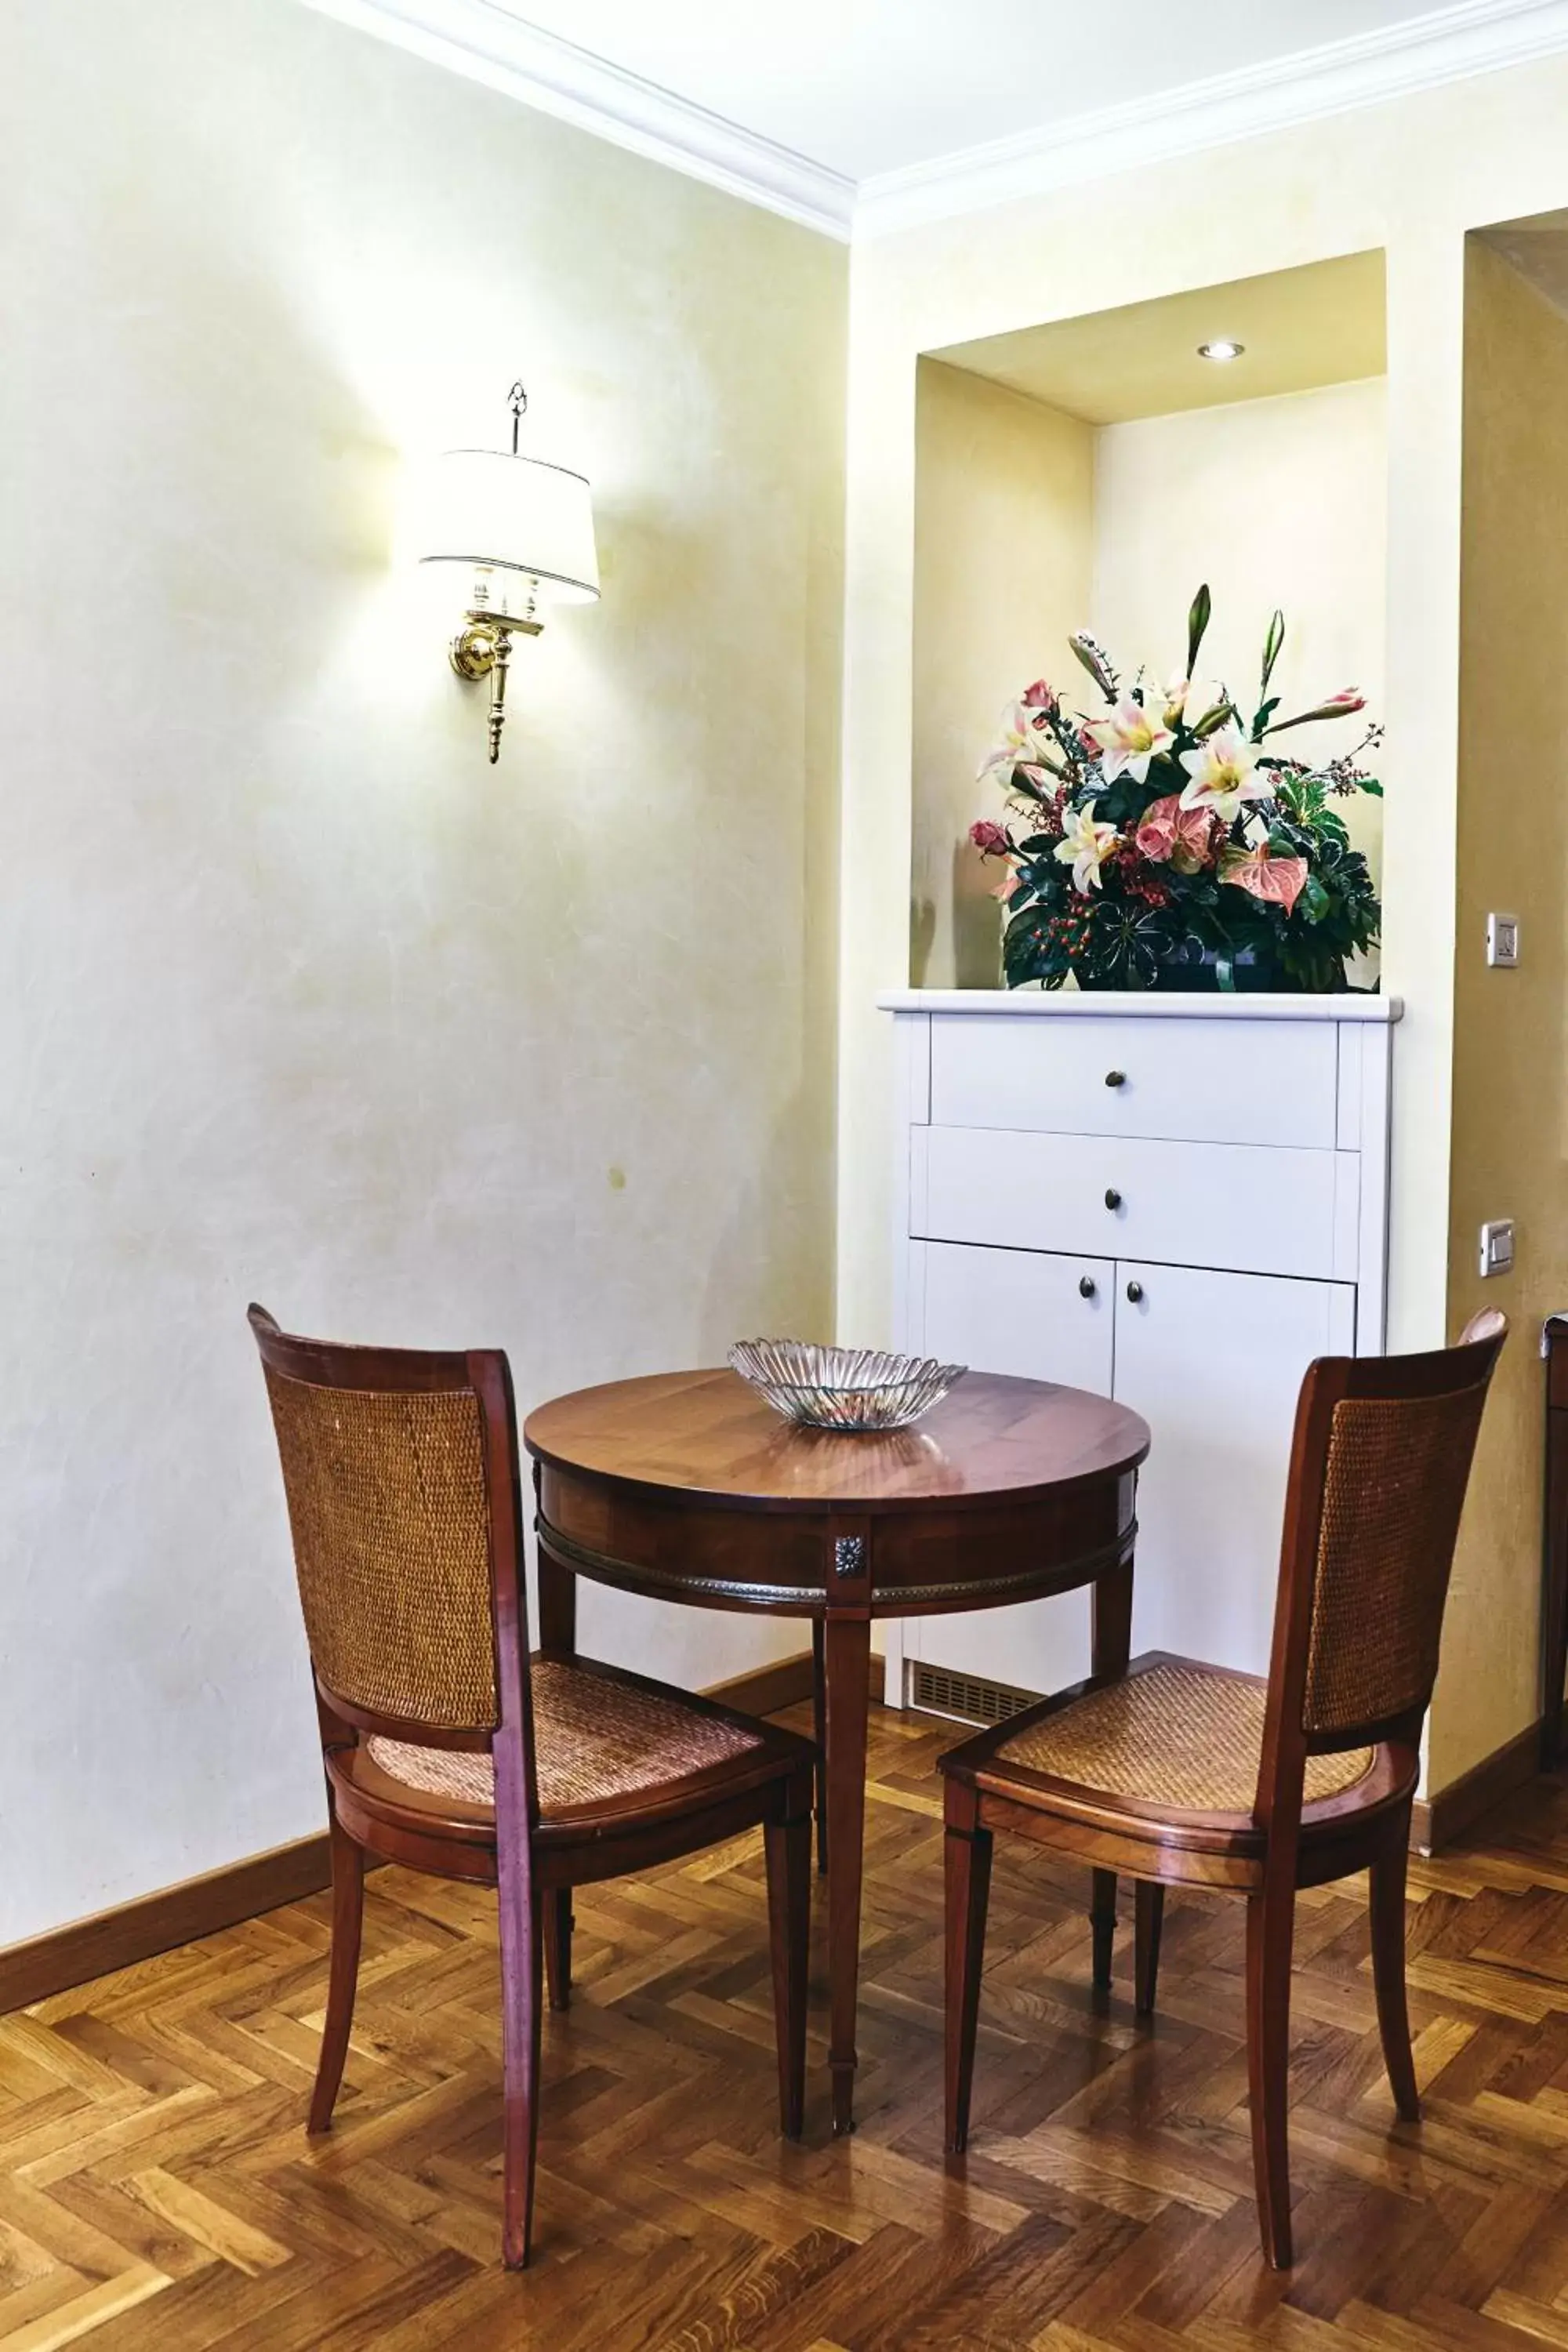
{"x": 1502, "y": 941}
{"x": 1496, "y": 1246}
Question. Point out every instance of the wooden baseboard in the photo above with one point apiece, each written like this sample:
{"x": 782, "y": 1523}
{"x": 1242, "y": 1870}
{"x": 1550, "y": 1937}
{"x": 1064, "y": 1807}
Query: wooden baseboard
{"x": 95, "y": 1946}
{"x": 1437, "y": 1821}
{"x": 766, "y": 1690}
{"x": 113, "y": 1939}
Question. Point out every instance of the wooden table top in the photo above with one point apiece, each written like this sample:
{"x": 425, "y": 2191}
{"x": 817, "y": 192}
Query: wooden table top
{"x": 711, "y": 1436}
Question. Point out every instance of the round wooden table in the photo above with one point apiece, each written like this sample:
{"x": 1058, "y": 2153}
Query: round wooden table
{"x": 689, "y": 1488}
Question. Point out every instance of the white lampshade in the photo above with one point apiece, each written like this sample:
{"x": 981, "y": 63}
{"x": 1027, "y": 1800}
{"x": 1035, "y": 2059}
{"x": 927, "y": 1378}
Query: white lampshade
{"x": 496, "y": 512}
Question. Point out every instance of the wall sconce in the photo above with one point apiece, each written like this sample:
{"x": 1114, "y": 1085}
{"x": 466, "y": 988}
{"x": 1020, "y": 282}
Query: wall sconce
{"x": 525, "y": 530}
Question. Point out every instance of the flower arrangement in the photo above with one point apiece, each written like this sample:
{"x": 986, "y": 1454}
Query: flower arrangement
{"x": 1168, "y": 844}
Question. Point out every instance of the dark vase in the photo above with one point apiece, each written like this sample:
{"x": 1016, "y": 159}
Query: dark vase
{"x": 1196, "y": 970}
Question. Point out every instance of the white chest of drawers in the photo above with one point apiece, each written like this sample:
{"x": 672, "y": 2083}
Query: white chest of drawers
{"x": 1178, "y": 1202}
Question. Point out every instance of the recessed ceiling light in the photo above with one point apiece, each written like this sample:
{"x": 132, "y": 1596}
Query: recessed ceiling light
{"x": 1224, "y": 348}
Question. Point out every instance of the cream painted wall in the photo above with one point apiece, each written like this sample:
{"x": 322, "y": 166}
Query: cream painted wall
{"x": 1002, "y": 522}
{"x": 1510, "y": 1028}
{"x": 1273, "y": 502}
{"x": 302, "y": 1000}
{"x": 1411, "y": 178}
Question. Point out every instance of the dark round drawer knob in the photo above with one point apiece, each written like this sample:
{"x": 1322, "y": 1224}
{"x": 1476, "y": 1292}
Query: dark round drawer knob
{"x": 1134, "y": 1292}
{"x": 1116, "y": 1077}
{"x": 1113, "y": 1197}
{"x": 1086, "y": 1286}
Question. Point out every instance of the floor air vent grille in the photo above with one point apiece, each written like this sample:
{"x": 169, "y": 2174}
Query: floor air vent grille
{"x": 967, "y": 1698}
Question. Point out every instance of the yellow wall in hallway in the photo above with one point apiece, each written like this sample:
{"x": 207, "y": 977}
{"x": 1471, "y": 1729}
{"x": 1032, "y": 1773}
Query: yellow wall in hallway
{"x": 1510, "y": 1028}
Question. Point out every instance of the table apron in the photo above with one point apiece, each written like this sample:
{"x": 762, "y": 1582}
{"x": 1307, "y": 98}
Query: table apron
{"x": 916, "y": 1565}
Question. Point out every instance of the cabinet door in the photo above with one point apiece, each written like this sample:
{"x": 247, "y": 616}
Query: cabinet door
{"x": 1214, "y": 1363}
{"x": 1023, "y": 1312}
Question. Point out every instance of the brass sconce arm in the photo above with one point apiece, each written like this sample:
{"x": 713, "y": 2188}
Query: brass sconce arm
{"x": 482, "y": 648}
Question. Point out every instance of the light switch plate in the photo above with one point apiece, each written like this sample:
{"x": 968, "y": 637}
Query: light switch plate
{"x": 1496, "y": 1246}
{"x": 1502, "y": 941}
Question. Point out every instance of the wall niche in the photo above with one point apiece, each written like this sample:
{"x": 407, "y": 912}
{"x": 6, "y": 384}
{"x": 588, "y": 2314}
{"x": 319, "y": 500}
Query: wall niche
{"x": 1090, "y": 471}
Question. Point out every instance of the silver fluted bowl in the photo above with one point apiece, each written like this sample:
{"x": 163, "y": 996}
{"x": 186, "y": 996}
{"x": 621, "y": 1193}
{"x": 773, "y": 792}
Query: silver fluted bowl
{"x": 843, "y": 1388}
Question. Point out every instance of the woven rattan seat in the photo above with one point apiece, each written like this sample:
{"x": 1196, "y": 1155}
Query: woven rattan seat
{"x": 597, "y": 1740}
{"x": 1183, "y": 1736}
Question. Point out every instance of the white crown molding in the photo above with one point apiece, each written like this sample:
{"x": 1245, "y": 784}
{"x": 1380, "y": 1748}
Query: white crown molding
{"x": 487, "y": 43}
{"x": 1448, "y": 44}
{"x": 484, "y": 40}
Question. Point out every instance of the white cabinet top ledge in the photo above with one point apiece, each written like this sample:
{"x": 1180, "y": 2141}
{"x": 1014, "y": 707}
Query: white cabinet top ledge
{"x": 1150, "y": 1003}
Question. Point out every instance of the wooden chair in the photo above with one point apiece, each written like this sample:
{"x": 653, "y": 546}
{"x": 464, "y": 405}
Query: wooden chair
{"x": 1180, "y": 1773}
{"x": 449, "y": 1749}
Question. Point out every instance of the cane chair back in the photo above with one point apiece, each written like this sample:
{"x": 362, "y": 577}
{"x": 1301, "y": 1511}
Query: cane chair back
{"x": 1381, "y": 1460}
{"x": 400, "y": 1535}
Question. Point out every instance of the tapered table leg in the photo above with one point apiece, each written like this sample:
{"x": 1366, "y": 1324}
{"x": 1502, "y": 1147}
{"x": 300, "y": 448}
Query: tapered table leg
{"x": 846, "y": 1673}
{"x": 557, "y": 1598}
{"x": 1111, "y": 1637}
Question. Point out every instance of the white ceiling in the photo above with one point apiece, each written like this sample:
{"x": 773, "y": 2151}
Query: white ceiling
{"x": 864, "y": 116}
{"x": 872, "y": 86}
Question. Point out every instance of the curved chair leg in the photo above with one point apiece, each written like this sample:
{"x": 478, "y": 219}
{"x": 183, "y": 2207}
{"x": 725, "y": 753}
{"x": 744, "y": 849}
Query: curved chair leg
{"x": 348, "y": 1915}
{"x": 522, "y": 1940}
{"x": 968, "y": 1880}
{"x": 1388, "y": 1972}
{"x": 1102, "y": 1923}
{"x": 1149, "y": 1916}
{"x": 558, "y": 1924}
{"x": 1271, "y": 1927}
{"x": 788, "y": 1844}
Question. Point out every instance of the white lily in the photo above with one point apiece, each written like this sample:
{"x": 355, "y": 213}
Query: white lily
{"x": 1085, "y": 845}
{"x": 1132, "y": 735}
{"x": 1019, "y": 743}
{"x": 1185, "y": 700}
{"x": 1222, "y": 773}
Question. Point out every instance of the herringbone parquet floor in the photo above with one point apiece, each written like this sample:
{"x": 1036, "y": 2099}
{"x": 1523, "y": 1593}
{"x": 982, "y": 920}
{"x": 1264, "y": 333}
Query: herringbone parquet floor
{"x": 157, "y": 2193}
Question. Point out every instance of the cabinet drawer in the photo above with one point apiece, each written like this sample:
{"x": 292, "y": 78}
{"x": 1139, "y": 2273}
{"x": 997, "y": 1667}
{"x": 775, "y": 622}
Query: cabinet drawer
{"x": 1269, "y": 1082}
{"x": 1251, "y": 1208}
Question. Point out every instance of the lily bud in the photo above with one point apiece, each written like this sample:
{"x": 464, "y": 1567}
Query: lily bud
{"x": 1272, "y": 644}
{"x": 1197, "y": 621}
{"x": 1096, "y": 660}
{"x": 1213, "y": 718}
{"x": 1344, "y": 705}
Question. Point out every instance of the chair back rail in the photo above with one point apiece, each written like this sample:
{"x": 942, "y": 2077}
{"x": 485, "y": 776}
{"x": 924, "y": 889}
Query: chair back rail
{"x": 1379, "y": 1466}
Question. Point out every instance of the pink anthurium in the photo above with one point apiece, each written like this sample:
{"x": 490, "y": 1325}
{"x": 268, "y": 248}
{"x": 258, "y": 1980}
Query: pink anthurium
{"x": 1129, "y": 738}
{"x": 1171, "y": 834}
{"x": 1279, "y": 881}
